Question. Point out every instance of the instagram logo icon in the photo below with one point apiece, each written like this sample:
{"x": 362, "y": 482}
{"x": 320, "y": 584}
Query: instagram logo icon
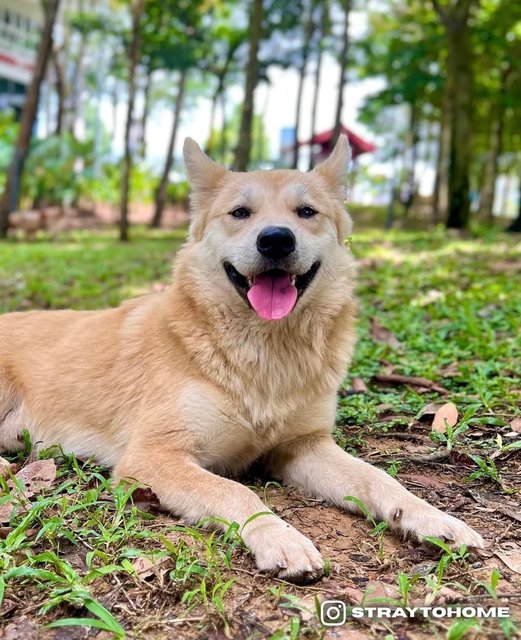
{"x": 333, "y": 613}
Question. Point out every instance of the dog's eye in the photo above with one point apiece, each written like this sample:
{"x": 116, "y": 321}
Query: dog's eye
{"x": 240, "y": 212}
{"x": 306, "y": 212}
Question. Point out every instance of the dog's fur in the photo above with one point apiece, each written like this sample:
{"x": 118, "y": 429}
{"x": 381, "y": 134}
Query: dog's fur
{"x": 176, "y": 387}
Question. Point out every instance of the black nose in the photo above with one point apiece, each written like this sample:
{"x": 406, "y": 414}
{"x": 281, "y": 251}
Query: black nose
{"x": 276, "y": 242}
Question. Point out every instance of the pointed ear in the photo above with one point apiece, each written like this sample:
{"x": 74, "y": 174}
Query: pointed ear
{"x": 203, "y": 174}
{"x": 334, "y": 168}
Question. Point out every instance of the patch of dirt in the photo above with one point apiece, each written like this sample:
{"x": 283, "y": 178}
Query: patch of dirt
{"x": 257, "y": 606}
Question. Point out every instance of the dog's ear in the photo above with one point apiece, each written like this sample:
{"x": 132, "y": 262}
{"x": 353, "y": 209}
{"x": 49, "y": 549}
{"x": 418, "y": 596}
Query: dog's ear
{"x": 203, "y": 174}
{"x": 334, "y": 168}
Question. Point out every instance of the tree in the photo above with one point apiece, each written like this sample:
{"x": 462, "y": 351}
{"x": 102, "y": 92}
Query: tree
{"x": 306, "y": 44}
{"x": 322, "y": 17}
{"x": 242, "y": 152}
{"x": 459, "y": 87}
{"x": 343, "y": 64}
{"x": 9, "y": 200}
{"x": 161, "y": 192}
{"x": 134, "y": 52}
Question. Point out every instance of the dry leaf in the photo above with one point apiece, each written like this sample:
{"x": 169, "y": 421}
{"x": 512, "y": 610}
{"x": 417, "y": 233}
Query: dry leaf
{"x": 358, "y": 385}
{"x": 380, "y": 334}
{"x": 35, "y": 476}
{"x": 145, "y": 499}
{"x": 428, "y": 412}
{"x": 515, "y": 425}
{"x": 510, "y": 554}
{"x": 446, "y": 415}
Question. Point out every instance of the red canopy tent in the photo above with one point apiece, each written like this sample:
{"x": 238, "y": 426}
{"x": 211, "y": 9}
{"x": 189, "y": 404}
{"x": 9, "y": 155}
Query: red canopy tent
{"x": 323, "y": 140}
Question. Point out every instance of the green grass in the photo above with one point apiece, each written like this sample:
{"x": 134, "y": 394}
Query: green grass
{"x": 71, "y": 558}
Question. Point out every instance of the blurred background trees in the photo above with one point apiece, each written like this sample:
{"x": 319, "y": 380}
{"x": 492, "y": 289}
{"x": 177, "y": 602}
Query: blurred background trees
{"x": 100, "y": 94}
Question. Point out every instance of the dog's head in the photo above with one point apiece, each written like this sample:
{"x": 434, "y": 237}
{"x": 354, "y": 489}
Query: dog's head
{"x": 269, "y": 235}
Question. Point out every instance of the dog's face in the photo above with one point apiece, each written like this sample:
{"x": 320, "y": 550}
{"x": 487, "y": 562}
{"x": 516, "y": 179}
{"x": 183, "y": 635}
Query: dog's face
{"x": 269, "y": 234}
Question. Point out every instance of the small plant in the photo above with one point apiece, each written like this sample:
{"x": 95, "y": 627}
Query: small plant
{"x": 379, "y": 528}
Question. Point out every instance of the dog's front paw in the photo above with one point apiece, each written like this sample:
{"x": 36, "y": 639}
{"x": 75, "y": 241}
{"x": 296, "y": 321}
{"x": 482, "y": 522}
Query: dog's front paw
{"x": 282, "y": 550}
{"x": 429, "y": 521}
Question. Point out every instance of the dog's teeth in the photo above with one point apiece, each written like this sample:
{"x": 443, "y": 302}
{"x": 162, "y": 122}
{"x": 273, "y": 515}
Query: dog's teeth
{"x": 250, "y": 282}
{"x": 293, "y": 280}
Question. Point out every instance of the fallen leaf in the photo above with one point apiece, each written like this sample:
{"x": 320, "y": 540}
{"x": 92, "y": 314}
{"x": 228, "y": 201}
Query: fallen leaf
{"x": 446, "y": 415}
{"x": 144, "y": 567}
{"x": 510, "y": 555}
{"x": 492, "y": 502}
{"x": 145, "y": 499}
{"x": 428, "y": 412}
{"x": 35, "y": 477}
{"x": 5, "y": 465}
{"x": 422, "y": 383}
{"x": 358, "y": 385}
{"x": 515, "y": 425}
{"x": 382, "y": 335}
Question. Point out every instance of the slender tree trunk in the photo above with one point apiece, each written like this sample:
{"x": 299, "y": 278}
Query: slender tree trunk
{"x": 243, "y": 150}
{"x": 134, "y": 53}
{"x": 60, "y": 91}
{"x": 163, "y": 184}
{"x": 455, "y": 19}
{"x": 144, "y": 114}
{"x": 515, "y": 225}
{"x": 308, "y": 34}
{"x": 316, "y": 89}
{"x": 76, "y": 111}
{"x": 488, "y": 187}
{"x": 412, "y": 158}
{"x": 114, "y": 105}
{"x": 210, "y": 145}
{"x": 10, "y": 196}
{"x": 441, "y": 186}
{"x": 223, "y": 147}
{"x": 343, "y": 61}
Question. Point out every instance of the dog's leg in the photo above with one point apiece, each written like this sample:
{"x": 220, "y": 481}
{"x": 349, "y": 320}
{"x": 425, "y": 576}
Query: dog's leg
{"x": 318, "y": 466}
{"x": 196, "y": 494}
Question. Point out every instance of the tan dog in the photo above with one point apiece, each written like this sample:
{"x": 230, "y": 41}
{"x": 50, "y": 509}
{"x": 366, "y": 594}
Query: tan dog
{"x": 239, "y": 359}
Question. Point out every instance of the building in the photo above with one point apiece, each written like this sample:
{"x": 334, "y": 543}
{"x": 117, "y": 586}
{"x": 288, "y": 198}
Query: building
{"x": 20, "y": 27}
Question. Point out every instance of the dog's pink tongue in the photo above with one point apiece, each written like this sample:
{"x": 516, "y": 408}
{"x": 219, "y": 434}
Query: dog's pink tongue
{"x": 272, "y": 296}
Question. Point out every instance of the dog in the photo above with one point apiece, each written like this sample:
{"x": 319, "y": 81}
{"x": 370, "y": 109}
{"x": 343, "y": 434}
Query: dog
{"x": 239, "y": 360}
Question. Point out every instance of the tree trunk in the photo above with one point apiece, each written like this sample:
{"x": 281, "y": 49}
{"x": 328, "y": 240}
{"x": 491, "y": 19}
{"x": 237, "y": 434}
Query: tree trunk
{"x": 316, "y": 89}
{"x": 515, "y": 225}
{"x": 133, "y": 55}
{"x": 75, "y": 111}
{"x": 412, "y": 158}
{"x": 60, "y": 91}
{"x": 488, "y": 186}
{"x": 223, "y": 147}
{"x": 242, "y": 152}
{"x": 9, "y": 200}
{"x": 144, "y": 115}
{"x": 455, "y": 19}
{"x": 308, "y": 34}
{"x": 163, "y": 184}
{"x": 343, "y": 71}
{"x": 441, "y": 185}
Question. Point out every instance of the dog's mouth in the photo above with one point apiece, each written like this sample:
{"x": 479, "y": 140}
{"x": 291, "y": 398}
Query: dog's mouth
{"x": 274, "y": 293}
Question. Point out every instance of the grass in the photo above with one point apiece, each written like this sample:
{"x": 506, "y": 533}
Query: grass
{"x": 85, "y": 556}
